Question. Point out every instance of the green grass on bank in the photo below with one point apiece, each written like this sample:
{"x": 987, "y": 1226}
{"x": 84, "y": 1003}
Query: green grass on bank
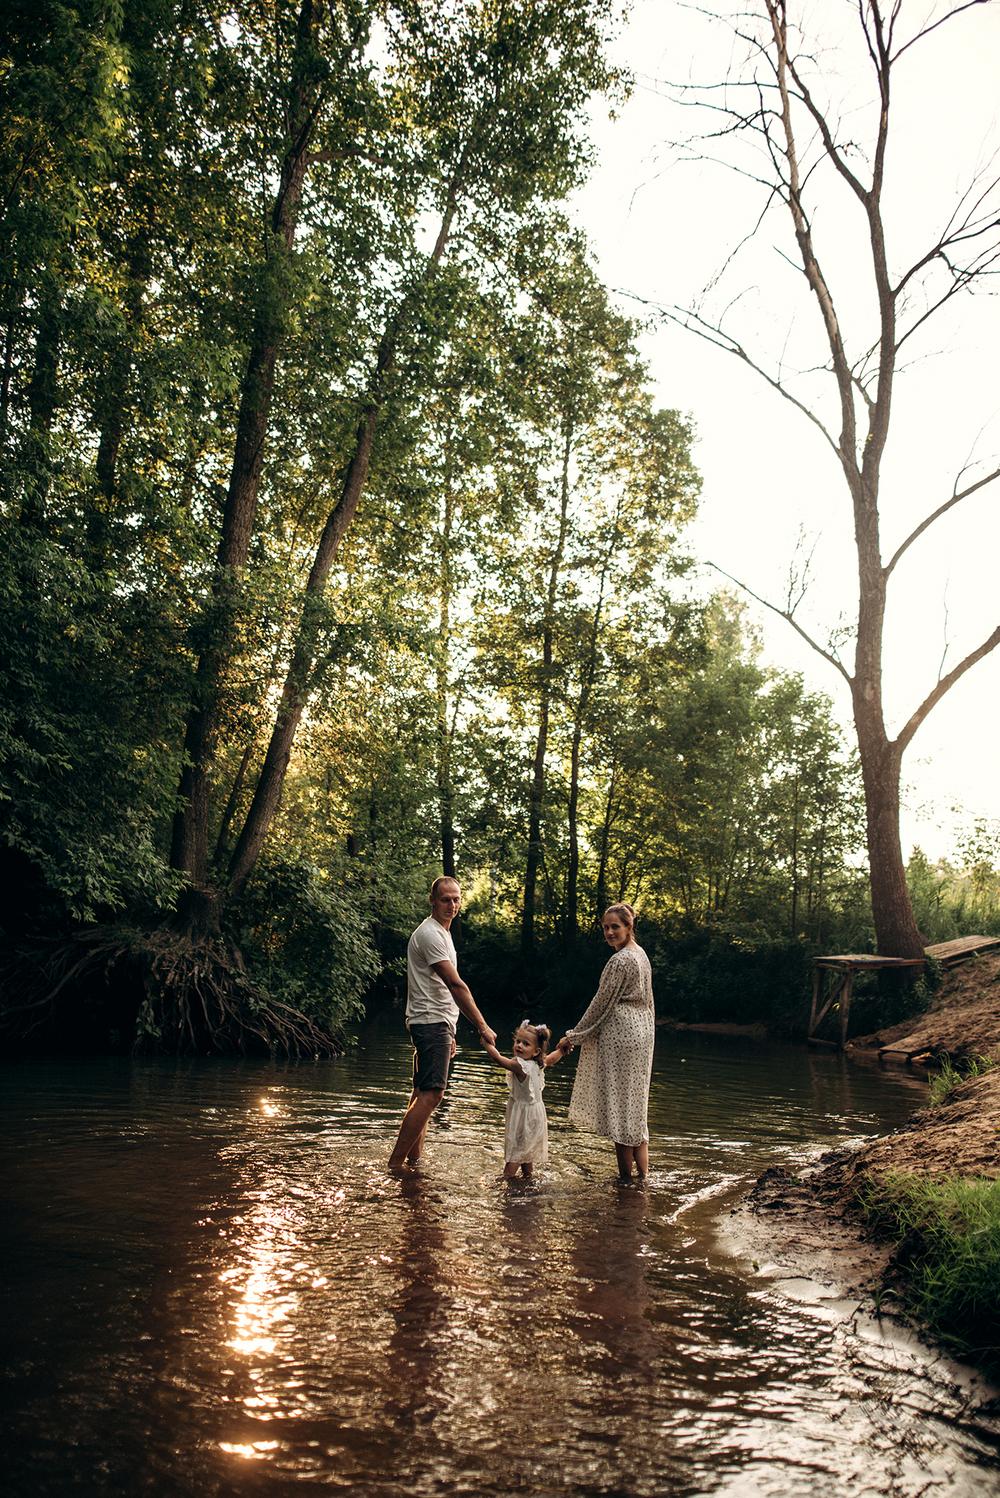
{"x": 950, "y": 1076}
{"x": 949, "y": 1252}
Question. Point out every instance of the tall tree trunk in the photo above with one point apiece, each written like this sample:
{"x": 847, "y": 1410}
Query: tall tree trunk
{"x": 794, "y": 914}
{"x": 896, "y": 933}
{"x": 112, "y": 403}
{"x": 895, "y": 927}
{"x": 189, "y": 846}
{"x": 589, "y": 676}
{"x": 43, "y": 393}
{"x": 7, "y": 372}
{"x": 535, "y": 850}
{"x": 267, "y": 796}
{"x": 604, "y": 845}
{"x": 441, "y": 684}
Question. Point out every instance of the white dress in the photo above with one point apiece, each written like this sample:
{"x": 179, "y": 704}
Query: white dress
{"x": 526, "y": 1141}
{"x": 611, "y": 1086}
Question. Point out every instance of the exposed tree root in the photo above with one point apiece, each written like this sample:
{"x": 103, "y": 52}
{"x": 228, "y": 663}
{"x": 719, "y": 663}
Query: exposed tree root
{"x": 187, "y": 994}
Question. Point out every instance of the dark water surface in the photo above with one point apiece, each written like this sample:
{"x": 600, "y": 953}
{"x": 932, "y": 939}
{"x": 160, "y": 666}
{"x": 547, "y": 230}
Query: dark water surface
{"x": 214, "y": 1287}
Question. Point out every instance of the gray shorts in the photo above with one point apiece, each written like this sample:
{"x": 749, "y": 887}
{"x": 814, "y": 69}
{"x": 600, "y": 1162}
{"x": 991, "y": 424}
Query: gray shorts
{"x": 431, "y": 1056}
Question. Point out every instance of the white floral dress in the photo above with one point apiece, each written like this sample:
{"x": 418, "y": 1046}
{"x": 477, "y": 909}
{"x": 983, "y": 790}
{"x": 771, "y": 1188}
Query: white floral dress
{"x": 526, "y": 1141}
{"x": 611, "y": 1086}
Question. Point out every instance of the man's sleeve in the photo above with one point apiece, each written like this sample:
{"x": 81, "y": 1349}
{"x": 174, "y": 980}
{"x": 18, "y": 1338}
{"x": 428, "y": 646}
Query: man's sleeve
{"x": 434, "y": 945}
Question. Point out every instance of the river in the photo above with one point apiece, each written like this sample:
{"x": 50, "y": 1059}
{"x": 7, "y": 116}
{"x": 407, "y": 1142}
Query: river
{"x": 215, "y": 1288}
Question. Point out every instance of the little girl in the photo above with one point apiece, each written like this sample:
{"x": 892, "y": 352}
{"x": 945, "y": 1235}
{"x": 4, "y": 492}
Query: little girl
{"x": 526, "y": 1142}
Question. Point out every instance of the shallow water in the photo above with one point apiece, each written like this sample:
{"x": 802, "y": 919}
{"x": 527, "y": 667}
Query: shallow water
{"x": 215, "y": 1288}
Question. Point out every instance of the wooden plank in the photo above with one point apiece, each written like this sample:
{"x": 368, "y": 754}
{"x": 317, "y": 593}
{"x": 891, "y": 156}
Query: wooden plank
{"x": 866, "y": 960}
{"x": 817, "y": 982}
{"x": 948, "y": 953}
{"x": 845, "y": 1007}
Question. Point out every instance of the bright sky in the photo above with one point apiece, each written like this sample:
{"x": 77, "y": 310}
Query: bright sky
{"x": 662, "y": 227}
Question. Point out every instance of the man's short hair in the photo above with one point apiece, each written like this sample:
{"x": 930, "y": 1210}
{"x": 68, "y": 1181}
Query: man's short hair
{"x": 443, "y": 879}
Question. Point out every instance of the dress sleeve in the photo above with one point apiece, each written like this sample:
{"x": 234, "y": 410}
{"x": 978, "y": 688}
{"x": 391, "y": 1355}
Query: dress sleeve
{"x": 618, "y": 975}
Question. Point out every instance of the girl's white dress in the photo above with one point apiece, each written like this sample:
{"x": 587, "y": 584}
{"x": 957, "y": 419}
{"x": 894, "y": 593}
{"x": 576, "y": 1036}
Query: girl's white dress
{"x": 527, "y": 1136}
{"x": 611, "y": 1086}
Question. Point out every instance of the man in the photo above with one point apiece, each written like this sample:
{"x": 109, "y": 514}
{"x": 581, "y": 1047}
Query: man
{"x": 434, "y": 996}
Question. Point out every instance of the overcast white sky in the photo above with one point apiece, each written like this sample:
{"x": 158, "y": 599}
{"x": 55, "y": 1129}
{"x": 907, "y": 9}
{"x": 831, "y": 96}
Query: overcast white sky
{"x": 662, "y": 227}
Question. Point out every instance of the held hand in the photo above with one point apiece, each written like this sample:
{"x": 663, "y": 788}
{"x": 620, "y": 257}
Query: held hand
{"x": 565, "y": 1045}
{"x": 488, "y": 1036}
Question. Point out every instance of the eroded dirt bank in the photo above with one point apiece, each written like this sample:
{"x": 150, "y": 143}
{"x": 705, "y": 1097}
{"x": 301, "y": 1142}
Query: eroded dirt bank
{"x": 807, "y": 1224}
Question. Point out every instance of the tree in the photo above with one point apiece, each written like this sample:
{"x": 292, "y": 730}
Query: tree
{"x": 494, "y": 97}
{"x": 803, "y": 156}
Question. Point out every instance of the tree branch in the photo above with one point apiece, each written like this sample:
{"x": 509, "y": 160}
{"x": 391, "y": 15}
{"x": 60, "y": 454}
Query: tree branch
{"x": 685, "y": 318}
{"x": 789, "y": 618}
{"x": 968, "y": 5}
{"x": 936, "y": 515}
{"x": 944, "y": 684}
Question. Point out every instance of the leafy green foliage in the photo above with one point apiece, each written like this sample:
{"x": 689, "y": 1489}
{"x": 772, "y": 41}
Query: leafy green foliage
{"x": 305, "y": 939}
{"x": 515, "y": 555}
{"x": 959, "y": 896}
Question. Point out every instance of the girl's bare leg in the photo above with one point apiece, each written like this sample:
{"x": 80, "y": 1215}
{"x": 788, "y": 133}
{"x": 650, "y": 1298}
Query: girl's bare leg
{"x": 625, "y": 1155}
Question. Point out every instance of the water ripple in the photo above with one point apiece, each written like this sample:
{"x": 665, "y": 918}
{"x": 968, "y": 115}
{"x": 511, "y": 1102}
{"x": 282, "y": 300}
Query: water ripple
{"x": 218, "y": 1286}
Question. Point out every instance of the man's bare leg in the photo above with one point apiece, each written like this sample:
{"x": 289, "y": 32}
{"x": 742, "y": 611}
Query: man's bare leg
{"x": 413, "y": 1127}
{"x": 413, "y": 1154}
{"x": 416, "y": 1150}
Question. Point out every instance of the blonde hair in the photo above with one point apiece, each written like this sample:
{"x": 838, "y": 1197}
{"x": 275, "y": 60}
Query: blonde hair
{"x": 624, "y": 912}
{"x": 542, "y": 1035}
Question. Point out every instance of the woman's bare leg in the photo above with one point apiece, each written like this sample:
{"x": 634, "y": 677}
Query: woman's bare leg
{"x": 625, "y": 1155}
{"x": 641, "y": 1153}
{"x": 510, "y": 1170}
{"x": 527, "y": 1170}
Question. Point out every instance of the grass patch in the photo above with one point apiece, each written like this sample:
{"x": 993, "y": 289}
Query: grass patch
{"x": 949, "y": 1076}
{"x": 949, "y": 1252}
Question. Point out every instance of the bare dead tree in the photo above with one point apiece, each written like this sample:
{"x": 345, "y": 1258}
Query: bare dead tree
{"x": 775, "y": 103}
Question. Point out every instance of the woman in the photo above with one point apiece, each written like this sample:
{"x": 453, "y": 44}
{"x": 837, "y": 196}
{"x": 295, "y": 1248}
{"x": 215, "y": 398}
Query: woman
{"x": 611, "y": 1087}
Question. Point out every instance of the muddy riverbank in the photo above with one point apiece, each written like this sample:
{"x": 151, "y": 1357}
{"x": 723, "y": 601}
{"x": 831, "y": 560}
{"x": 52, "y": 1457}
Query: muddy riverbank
{"x": 806, "y": 1224}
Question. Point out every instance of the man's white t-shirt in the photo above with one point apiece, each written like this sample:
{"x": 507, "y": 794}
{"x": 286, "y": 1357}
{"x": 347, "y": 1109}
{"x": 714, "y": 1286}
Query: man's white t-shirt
{"x": 428, "y": 997}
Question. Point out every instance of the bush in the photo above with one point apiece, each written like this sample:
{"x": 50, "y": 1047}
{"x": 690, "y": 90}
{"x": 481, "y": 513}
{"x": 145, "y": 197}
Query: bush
{"x": 305, "y": 941}
{"x": 711, "y": 976}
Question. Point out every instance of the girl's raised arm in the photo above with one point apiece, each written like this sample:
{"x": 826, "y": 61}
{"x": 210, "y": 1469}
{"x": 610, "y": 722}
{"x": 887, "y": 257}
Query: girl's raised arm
{"x": 507, "y": 1062}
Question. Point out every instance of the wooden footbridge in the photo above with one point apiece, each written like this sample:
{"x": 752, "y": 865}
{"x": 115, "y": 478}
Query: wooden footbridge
{"x": 833, "y": 978}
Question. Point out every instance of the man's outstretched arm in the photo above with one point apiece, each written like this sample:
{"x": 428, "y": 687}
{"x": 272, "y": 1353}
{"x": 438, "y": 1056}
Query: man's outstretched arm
{"x": 462, "y": 994}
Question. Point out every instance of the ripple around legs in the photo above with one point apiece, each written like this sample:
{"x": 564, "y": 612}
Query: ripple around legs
{"x": 219, "y": 1286}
